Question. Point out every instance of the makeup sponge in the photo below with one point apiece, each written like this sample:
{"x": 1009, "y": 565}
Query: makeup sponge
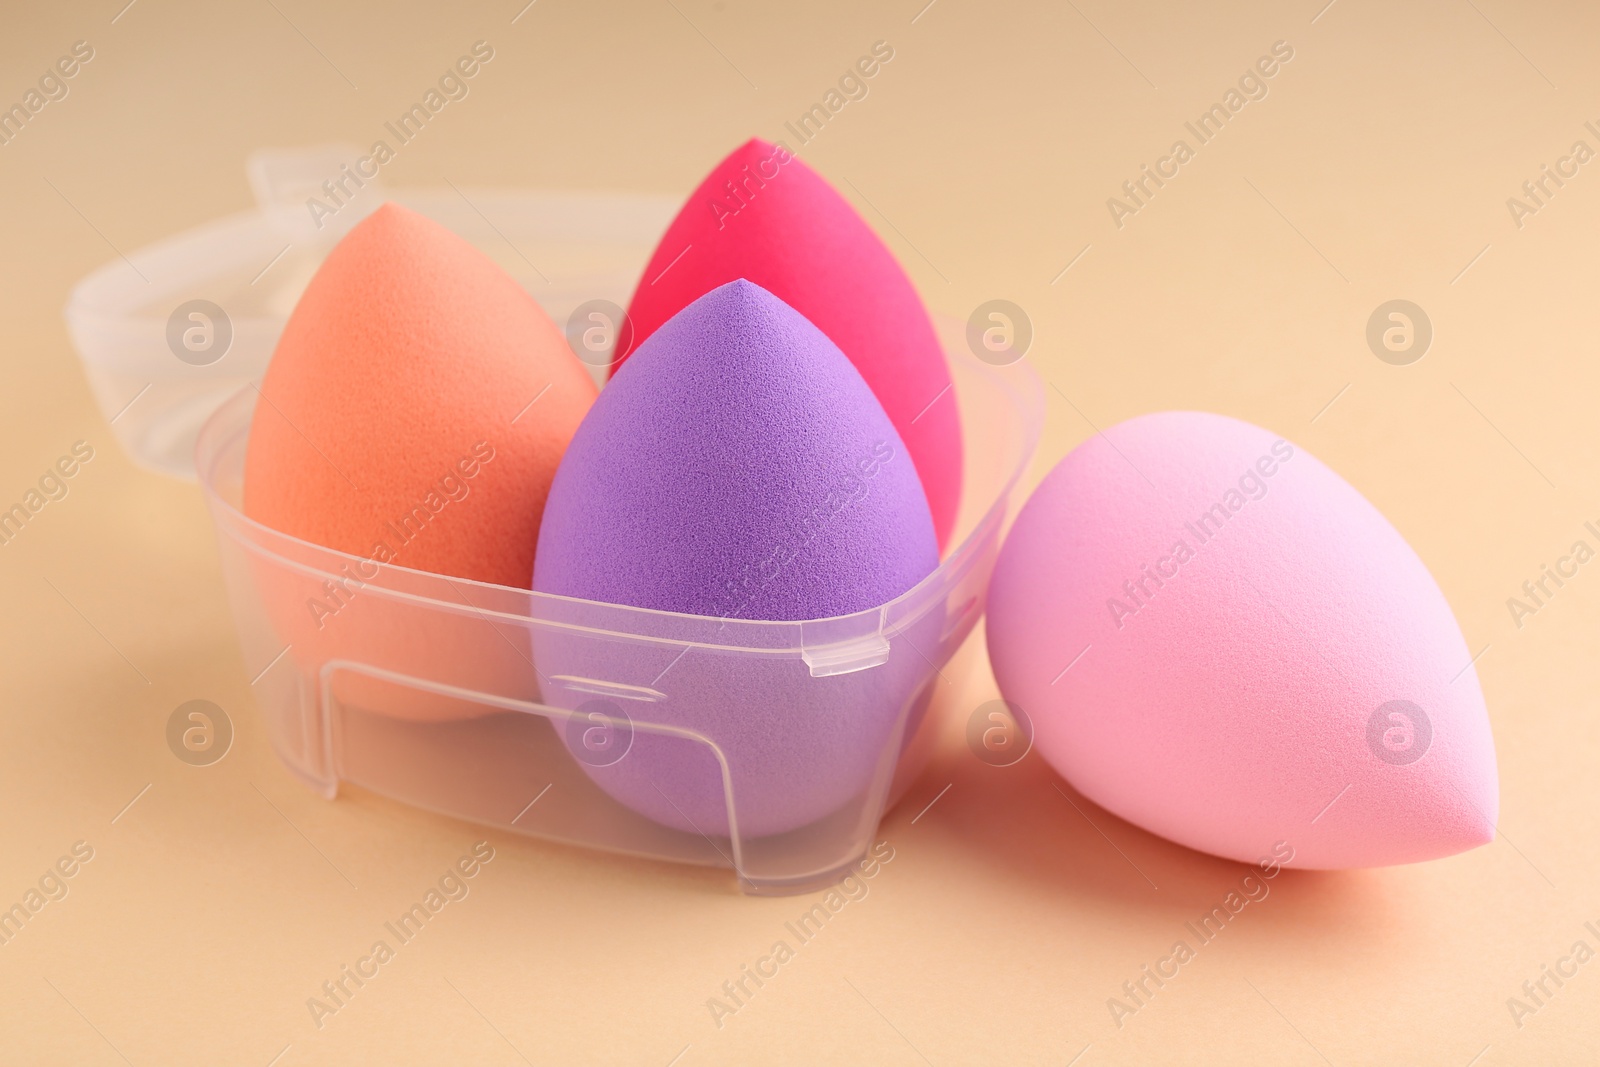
{"x": 738, "y": 467}
{"x": 765, "y": 216}
{"x": 1221, "y": 641}
{"x": 413, "y": 415}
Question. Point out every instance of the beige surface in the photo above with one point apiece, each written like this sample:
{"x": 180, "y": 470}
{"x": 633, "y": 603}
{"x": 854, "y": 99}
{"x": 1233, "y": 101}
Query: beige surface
{"x": 1377, "y": 167}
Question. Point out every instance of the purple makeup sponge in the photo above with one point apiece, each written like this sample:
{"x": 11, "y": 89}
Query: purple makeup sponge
{"x": 737, "y": 467}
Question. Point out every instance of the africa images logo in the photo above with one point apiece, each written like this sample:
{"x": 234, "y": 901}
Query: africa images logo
{"x": 1399, "y": 732}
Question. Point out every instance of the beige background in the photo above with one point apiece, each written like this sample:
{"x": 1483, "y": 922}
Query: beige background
{"x": 1378, "y": 167}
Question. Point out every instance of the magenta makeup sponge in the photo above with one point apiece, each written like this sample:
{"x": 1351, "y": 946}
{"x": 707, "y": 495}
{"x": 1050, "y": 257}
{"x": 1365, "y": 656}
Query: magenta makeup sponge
{"x": 739, "y": 468}
{"x": 1221, "y": 641}
{"x": 764, "y": 215}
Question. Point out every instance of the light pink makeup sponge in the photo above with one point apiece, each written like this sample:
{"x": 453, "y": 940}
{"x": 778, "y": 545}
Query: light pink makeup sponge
{"x": 1220, "y": 640}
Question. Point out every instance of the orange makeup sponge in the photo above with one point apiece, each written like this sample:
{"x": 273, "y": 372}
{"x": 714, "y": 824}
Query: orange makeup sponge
{"x": 413, "y": 414}
{"x": 410, "y": 355}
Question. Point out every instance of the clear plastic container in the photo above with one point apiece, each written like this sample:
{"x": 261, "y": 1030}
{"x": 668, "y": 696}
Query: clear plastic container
{"x": 462, "y": 697}
{"x": 528, "y": 712}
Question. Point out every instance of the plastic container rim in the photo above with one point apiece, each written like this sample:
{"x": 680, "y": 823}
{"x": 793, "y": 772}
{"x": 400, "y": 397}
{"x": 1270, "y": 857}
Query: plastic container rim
{"x": 225, "y": 426}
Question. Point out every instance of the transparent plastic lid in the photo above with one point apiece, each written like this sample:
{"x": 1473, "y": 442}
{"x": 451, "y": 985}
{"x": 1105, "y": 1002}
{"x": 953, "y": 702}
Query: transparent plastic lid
{"x": 170, "y": 332}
